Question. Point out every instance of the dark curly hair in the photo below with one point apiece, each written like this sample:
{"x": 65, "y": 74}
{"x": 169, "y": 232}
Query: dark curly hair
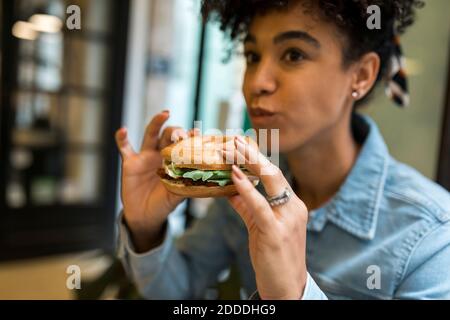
{"x": 350, "y": 16}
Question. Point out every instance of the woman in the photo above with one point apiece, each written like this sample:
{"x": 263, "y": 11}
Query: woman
{"x": 358, "y": 224}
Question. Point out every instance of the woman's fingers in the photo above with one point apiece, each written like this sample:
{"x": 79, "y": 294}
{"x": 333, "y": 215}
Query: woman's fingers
{"x": 239, "y": 205}
{"x": 174, "y": 134}
{"x": 271, "y": 176}
{"x": 152, "y": 141}
{"x": 259, "y": 208}
{"x": 177, "y": 134}
{"x": 171, "y": 135}
{"x": 230, "y": 155}
{"x": 151, "y": 136}
{"x": 194, "y": 132}
{"x": 123, "y": 144}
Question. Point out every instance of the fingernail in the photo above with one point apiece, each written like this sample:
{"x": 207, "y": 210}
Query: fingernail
{"x": 222, "y": 154}
{"x": 166, "y": 111}
{"x": 241, "y": 139}
{"x": 227, "y": 147}
{"x": 240, "y": 146}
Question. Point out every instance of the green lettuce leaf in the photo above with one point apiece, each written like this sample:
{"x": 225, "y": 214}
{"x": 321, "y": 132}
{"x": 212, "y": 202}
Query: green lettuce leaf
{"x": 177, "y": 171}
{"x": 221, "y": 174}
{"x": 220, "y": 177}
{"x": 207, "y": 175}
{"x": 174, "y": 172}
{"x": 221, "y": 182}
{"x": 194, "y": 175}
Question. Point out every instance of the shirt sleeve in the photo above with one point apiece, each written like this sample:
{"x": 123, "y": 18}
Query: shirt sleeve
{"x": 426, "y": 276}
{"x": 179, "y": 268}
{"x": 312, "y": 291}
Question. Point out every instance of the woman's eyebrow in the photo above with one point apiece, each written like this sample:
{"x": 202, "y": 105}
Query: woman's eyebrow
{"x": 297, "y": 35}
{"x": 288, "y": 35}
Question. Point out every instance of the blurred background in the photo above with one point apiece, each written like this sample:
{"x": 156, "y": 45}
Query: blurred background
{"x": 73, "y": 71}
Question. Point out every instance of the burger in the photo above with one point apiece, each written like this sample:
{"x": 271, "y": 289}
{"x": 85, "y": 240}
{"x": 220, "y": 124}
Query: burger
{"x": 194, "y": 167}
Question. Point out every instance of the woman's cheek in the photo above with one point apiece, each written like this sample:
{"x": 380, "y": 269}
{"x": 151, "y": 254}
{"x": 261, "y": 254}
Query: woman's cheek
{"x": 304, "y": 119}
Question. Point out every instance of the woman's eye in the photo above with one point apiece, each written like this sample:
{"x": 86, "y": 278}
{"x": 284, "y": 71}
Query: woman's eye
{"x": 293, "y": 56}
{"x": 251, "y": 57}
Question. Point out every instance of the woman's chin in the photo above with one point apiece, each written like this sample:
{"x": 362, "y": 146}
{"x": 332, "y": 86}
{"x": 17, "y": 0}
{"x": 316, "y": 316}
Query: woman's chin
{"x": 277, "y": 142}
{"x": 274, "y": 148}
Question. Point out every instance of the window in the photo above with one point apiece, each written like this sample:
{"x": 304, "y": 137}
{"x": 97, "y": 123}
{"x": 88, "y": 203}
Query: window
{"x": 62, "y": 104}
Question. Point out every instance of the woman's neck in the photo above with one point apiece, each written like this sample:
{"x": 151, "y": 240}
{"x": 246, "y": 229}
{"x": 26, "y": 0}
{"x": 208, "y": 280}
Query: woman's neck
{"x": 321, "y": 166}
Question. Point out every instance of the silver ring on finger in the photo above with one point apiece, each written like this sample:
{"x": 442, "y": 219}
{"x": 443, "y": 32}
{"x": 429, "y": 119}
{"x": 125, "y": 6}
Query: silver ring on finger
{"x": 280, "y": 199}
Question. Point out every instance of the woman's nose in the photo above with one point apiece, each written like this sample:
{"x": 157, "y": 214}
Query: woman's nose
{"x": 263, "y": 81}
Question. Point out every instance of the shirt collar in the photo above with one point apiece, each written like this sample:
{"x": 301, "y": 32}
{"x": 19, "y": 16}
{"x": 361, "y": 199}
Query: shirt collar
{"x": 355, "y": 206}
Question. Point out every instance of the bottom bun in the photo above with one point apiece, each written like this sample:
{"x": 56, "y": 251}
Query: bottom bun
{"x": 181, "y": 189}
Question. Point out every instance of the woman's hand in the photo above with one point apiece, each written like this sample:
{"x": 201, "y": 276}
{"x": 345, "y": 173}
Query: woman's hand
{"x": 145, "y": 201}
{"x": 277, "y": 235}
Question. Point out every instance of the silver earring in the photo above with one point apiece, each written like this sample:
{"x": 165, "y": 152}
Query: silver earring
{"x": 355, "y": 94}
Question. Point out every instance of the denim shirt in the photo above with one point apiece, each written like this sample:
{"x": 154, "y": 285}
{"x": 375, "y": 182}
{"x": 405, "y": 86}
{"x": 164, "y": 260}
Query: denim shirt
{"x": 384, "y": 235}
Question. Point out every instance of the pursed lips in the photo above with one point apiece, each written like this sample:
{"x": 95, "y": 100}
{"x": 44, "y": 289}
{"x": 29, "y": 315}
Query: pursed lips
{"x": 260, "y": 112}
{"x": 261, "y": 116}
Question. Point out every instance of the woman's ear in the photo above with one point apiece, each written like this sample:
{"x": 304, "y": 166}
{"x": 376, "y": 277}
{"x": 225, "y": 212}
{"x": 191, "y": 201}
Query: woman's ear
{"x": 365, "y": 73}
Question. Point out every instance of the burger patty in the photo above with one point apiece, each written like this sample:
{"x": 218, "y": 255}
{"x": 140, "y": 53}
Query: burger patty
{"x": 187, "y": 182}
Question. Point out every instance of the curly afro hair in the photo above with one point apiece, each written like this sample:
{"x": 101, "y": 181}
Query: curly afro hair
{"x": 350, "y": 16}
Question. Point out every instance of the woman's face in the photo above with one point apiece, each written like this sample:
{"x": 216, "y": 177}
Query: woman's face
{"x": 295, "y": 73}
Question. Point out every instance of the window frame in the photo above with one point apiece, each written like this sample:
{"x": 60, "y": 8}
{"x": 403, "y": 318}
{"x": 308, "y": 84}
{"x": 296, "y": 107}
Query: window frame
{"x": 443, "y": 174}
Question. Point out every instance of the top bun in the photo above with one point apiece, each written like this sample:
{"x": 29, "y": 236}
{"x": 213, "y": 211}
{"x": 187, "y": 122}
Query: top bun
{"x": 200, "y": 152}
